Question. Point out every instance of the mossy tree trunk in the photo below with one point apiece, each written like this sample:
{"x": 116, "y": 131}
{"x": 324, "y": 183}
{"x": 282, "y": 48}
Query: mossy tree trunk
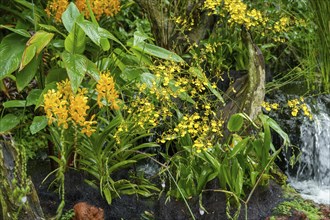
{"x": 18, "y": 197}
{"x": 162, "y": 15}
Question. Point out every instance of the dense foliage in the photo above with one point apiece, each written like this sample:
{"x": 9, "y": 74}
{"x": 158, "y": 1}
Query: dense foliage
{"x": 87, "y": 78}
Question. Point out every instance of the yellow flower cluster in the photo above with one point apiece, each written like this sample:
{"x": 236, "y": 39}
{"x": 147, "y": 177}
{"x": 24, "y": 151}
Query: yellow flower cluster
{"x": 201, "y": 129}
{"x": 63, "y": 106}
{"x": 238, "y": 11}
{"x": 281, "y": 25}
{"x": 296, "y": 105}
{"x": 105, "y": 89}
{"x": 99, "y": 7}
{"x": 269, "y": 106}
{"x": 56, "y": 8}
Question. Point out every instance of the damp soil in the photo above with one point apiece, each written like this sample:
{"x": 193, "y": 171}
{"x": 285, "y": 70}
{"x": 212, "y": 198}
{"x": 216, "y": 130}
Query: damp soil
{"x": 133, "y": 207}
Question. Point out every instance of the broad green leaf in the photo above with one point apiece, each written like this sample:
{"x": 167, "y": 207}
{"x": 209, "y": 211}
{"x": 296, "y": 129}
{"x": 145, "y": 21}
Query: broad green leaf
{"x": 38, "y": 123}
{"x": 76, "y": 67}
{"x": 14, "y": 104}
{"x": 75, "y": 42}
{"x": 8, "y": 122}
{"x": 33, "y": 97}
{"x": 90, "y": 29}
{"x": 21, "y": 32}
{"x": 24, "y": 77}
{"x": 235, "y": 123}
{"x": 69, "y": 16}
{"x": 159, "y": 52}
{"x": 11, "y": 50}
{"x": 56, "y": 75}
{"x": 35, "y": 45}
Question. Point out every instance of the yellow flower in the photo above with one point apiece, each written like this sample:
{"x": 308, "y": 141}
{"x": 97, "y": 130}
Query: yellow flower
{"x": 106, "y": 90}
{"x": 56, "y": 8}
{"x": 99, "y": 7}
{"x": 79, "y": 107}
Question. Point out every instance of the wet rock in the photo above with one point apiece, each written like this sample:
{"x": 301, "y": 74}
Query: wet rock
{"x": 84, "y": 211}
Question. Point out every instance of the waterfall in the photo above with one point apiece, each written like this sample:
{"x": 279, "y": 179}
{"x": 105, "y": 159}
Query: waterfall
{"x": 312, "y": 178}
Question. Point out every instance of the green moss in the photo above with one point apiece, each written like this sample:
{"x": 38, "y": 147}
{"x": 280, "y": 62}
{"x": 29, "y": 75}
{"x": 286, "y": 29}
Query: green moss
{"x": 288, "y": 208}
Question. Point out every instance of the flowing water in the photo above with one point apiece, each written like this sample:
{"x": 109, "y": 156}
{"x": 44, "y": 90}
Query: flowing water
{"x": 312, "y": 177}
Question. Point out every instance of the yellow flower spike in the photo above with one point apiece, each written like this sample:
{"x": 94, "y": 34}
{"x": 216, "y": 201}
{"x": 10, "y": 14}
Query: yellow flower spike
{"x": 106, "y": 90}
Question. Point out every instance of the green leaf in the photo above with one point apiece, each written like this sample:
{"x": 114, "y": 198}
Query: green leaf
{"x": 38, "y": 123}
{"x": 21, "y": 32}
{"x": 51, "y": 28}
{"x": 273, "y": 124}
{"x": 235, "y": 123}
{"x": 24, "y": 77}
{"x": 90, "y": 29}
{"x": 239, "y": 147}
{"x": 69, "y": 16}
{"x": 106, "y": 34}
{"x": 75, "y": 42}
{"x": 56, "y": 75}
{"x": 14, "y": 104}
{"x": 35, "y": 45}
{"x": 11, "y": 50}
{"x": 8, "y": 122}
{"x": 107, "y": 195}
{"x": 33, "y": 97}
{"x": 159, "y": 52}
{"x": 76, "y": 67}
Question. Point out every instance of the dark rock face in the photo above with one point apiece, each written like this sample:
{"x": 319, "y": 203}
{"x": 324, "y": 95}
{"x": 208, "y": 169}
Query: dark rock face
{"x": 135, "y": 207}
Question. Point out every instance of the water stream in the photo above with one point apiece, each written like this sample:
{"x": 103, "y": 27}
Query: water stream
{"x": 312, "y": 176}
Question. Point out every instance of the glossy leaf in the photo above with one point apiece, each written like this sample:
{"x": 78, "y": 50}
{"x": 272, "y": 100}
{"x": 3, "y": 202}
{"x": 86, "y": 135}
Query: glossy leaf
{"x": 69, "y": 16}
{"x": 76, "y": 67}
{"x": 235, "y": 123}
{"x": 38, "y": 123}
{"x": 8, "y": 122}
{"x": 11, "y": 50}
{"x": 273, "y": 124}
{"x": 35, "y": 45}
{"x": 33, "y": 97}
{"x": 90, "y": 29}
{"x": 24, "y": 77}
{"x": 75, "y": 42}
{"x": 159, "y": 52}
{"x": 15, "y": 104}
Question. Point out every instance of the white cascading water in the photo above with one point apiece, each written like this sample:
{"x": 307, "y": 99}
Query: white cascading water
{"x": 312, "y": 179}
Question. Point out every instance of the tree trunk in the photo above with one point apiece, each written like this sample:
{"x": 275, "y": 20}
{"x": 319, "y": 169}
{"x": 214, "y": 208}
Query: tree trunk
{"x": 18, "y": 197}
